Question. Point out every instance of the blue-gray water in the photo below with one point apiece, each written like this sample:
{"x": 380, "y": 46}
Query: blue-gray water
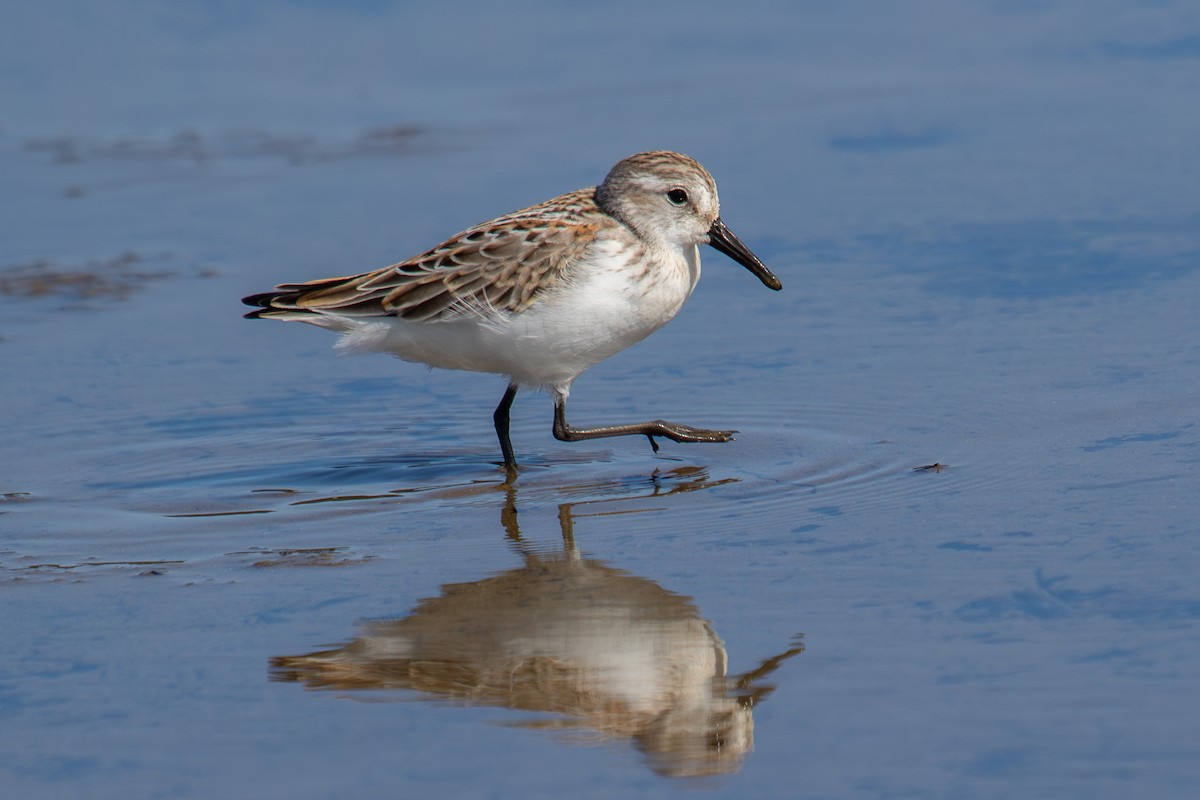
{"x": 233, "y": 564}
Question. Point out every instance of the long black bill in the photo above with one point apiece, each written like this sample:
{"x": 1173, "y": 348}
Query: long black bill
{"x": 723, "y": 239}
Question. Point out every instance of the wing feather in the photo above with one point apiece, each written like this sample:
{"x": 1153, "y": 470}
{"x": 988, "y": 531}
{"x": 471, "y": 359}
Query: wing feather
{"x": 499, "y": 266}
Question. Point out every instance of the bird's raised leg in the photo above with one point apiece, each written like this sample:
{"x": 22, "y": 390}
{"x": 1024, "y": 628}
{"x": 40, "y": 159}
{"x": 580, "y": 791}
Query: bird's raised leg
{"x": 669, "y": 430}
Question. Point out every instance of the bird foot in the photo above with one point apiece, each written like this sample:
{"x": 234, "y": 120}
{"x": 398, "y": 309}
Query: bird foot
{"x": 686, "y": 433}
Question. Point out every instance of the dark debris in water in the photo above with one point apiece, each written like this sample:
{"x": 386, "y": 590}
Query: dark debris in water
{"x": 304, "y": 557}
{"x": 109, "y": 279}
{"x": 194, "y": 147}
{"x": 222, "y": 513}
{"x": 54, "y": 566}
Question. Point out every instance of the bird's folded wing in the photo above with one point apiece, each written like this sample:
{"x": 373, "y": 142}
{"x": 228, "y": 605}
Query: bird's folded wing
{"x": 496, "y": 267}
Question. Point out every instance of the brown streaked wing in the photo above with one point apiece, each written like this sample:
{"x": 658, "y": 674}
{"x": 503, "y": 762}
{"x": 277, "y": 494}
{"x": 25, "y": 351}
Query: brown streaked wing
{"x": 504, "y": 266}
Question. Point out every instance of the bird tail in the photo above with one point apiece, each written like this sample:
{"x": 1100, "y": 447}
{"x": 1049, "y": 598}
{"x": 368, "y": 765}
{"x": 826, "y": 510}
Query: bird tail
{"x": 286, "y": 301}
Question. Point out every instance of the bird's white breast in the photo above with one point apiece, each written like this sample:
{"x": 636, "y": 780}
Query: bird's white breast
{"x": 614, "y": 298}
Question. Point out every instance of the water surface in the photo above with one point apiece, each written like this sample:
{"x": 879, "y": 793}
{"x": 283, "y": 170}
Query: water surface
{"x": 950, "y": 554}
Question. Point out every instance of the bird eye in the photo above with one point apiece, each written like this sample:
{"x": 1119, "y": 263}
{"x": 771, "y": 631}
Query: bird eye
{"x": 678, "y": 197}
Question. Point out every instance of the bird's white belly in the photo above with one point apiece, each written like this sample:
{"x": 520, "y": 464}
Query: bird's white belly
{"x": 579, "y": 323}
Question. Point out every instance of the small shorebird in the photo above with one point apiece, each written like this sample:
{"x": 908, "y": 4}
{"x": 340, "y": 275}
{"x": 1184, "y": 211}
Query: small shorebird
{"x": 541, "y": 294}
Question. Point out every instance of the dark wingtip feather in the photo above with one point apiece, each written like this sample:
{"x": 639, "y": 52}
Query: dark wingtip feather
{"x": 268, "y": 306}
{"x": 261, "y": 300}
{"x": 280, "y": 313}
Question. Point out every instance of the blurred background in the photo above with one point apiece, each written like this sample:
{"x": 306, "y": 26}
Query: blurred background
{"x": 951, "y": 553}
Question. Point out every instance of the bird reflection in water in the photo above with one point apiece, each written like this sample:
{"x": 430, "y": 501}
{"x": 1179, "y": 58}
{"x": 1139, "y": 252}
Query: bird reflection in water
{"x": 596, "y": 648}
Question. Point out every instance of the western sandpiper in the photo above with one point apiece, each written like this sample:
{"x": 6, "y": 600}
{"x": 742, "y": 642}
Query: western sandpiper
{"x": 541, "y": 294}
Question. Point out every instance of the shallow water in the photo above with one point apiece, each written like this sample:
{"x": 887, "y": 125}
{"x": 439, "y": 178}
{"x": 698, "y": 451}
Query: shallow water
{"x": 950, "y": 554}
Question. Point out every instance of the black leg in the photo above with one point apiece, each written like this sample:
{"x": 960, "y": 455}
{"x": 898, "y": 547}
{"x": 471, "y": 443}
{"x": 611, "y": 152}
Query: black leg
{"x": 669, "y": 430}
{"x": 500, "y": 417}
